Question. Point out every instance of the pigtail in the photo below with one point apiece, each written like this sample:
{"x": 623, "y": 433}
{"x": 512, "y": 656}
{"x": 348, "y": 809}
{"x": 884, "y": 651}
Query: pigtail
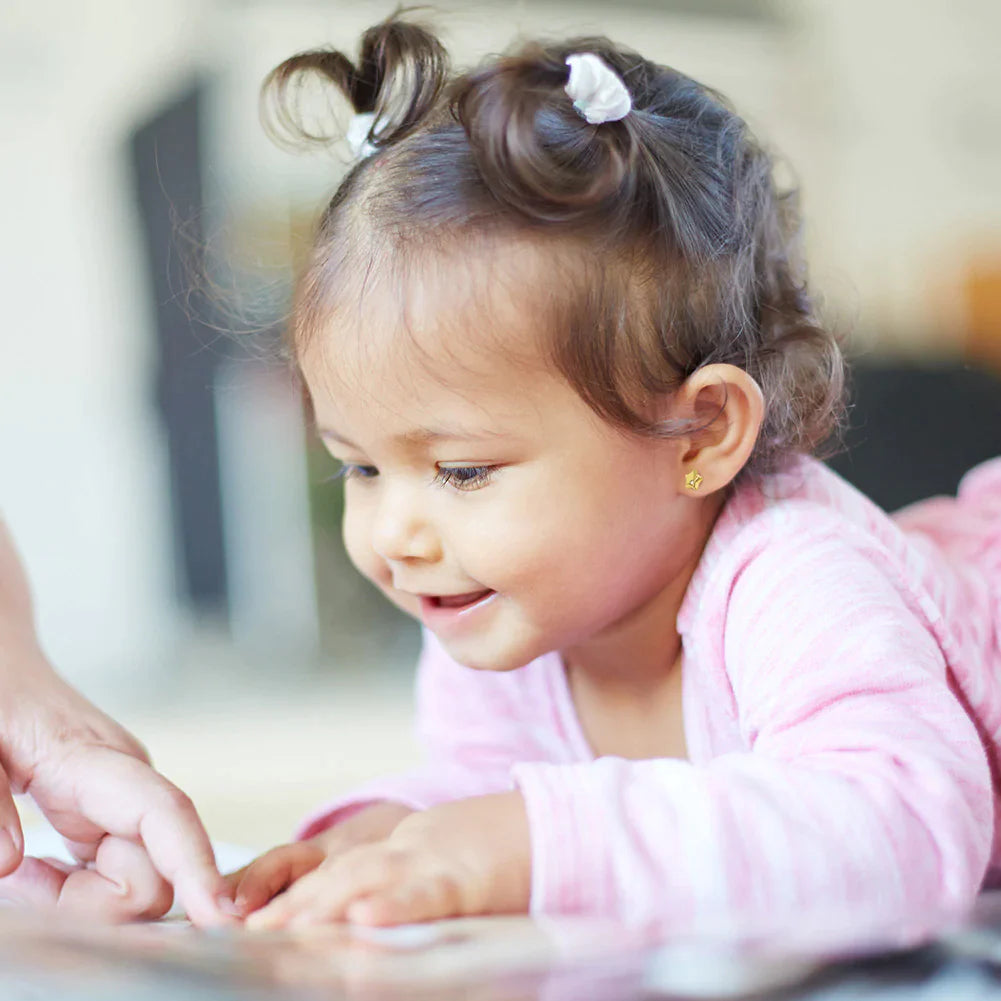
{"x": 401, "y": 72}
{"x": 533, "y": 150}
{"x": 653, "y": 172}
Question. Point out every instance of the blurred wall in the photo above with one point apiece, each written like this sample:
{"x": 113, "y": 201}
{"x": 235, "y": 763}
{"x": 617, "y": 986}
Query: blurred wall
{"x": 81, "y": 463}
{"x": 889, "y": 112}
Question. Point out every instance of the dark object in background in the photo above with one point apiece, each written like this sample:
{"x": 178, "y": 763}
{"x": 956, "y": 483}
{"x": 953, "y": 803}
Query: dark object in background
{"x": 914, "y": 431}
{"x": 165, "y": 154}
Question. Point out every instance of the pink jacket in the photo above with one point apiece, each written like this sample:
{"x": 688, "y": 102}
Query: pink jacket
{"x": 842, "y": 706}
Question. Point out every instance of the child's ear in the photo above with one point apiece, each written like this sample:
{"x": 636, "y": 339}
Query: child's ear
{"x": 727, "y": 408}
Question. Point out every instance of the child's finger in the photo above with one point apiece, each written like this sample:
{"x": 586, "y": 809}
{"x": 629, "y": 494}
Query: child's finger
{"x": 374, "y": 874}
{"x": 282, "y": 908}
{"x": 273, "y": 873}
{"x": 383, "y": 909}
{"x": 231, "y": 880}
{"x": 322, "y": 895}
{"x": 423, "y": 900}
{"x": 253, "y": 889}
{"x": 343, "y": 888}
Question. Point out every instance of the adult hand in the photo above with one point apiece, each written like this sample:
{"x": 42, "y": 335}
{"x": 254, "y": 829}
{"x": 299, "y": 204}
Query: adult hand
{"x": 135, "y": 834}
{"x": 472, "y": 856}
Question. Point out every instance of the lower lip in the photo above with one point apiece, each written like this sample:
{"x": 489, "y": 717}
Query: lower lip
{"x": 436, "y": 616}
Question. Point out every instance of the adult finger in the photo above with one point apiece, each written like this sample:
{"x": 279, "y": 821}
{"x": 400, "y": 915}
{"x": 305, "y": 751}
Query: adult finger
{"x": 35, "y": 883}
{"x": 122, "y": 885}
{"x": 11, "y": 836}
{"x": 130, "y": 800}
{"x": 145, "y": 893}
{"x": 82, "y": 851}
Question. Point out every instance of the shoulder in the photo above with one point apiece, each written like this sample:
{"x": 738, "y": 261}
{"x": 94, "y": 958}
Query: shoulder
{"x": 779, "y": 539}
{"x": 811, "y": 596}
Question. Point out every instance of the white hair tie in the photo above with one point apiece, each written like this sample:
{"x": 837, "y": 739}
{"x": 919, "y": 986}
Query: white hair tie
{"x": 358, "y": 132}
{"x": 597, "y": 91}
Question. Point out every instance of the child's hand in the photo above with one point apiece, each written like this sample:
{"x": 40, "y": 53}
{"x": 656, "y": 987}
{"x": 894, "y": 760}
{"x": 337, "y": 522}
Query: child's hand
{"x": 468, "y": 857}
{"x": 272, "y": 873}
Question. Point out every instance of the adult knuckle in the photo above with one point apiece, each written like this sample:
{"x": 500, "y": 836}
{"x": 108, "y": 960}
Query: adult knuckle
{"x": 175, "y": 800}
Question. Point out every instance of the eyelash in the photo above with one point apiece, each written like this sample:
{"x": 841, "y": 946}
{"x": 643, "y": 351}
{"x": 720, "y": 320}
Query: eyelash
{"x": 351, "y": 471}
{"x": 455, "y": 475}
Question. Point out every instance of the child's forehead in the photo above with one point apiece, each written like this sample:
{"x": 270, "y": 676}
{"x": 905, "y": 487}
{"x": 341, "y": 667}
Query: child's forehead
{"x": 416, "y": 387}
{"x": 406, "y": 377}
{"x": 411, "y": 402}
{"x": 459, "y": 321}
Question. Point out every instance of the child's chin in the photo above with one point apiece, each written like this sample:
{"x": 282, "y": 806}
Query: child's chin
{"x": 478, "y": 657}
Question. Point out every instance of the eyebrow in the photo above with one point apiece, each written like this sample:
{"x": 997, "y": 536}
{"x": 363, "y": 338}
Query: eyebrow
{"x": 421, "y": 436}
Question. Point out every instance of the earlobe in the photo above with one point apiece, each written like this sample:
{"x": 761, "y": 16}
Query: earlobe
{"x": 727, "y": 407}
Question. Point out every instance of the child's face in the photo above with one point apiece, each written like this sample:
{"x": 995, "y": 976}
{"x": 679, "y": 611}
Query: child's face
{"x": 488, "y": 501}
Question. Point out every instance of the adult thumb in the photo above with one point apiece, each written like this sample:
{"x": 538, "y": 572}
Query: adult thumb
{"x": 11, "y": 836}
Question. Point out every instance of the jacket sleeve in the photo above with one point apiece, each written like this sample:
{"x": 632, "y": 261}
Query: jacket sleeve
{"x": 473, "y": 727}
{"x": 864, "y": 789}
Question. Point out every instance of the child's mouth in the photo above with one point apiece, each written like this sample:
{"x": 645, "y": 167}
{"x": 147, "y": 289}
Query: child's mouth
{"x": 456, "y": 602}
{"x": 445, "y": 613}
{"x": 448, "y": 614}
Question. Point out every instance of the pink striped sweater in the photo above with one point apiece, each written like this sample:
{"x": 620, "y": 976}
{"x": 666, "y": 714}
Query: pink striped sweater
{"x": 842, "y": 708}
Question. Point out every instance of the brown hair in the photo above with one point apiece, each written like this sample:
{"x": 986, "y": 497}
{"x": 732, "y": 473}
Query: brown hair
{"x": 674, "y": 245}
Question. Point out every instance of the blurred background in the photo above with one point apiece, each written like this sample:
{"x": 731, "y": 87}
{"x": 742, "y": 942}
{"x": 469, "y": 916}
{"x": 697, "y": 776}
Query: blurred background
{"x": 156, "y": 471}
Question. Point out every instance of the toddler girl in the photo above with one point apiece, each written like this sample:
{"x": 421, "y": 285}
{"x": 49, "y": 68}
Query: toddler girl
{"x": 674, "y": 669}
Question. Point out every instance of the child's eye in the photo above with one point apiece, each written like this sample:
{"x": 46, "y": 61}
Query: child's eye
{"x": 464, "y": 477}
{"x": 352, "y": 470}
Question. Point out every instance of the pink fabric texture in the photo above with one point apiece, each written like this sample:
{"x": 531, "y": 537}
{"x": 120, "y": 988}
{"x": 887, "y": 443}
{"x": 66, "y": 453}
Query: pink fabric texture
{"x": 842, "y": 707}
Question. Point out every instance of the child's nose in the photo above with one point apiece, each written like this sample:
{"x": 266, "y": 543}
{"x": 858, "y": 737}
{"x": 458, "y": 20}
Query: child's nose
{"x": 401, "y": 531}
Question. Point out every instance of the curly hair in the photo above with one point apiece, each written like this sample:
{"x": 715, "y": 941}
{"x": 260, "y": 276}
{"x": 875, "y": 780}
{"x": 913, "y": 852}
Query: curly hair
{"x": 674, "y": 246}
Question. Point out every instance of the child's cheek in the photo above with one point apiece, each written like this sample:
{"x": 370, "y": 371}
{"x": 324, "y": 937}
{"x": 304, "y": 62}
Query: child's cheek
{"x": 357, "y": 535}
{"x": 357, "y": 543}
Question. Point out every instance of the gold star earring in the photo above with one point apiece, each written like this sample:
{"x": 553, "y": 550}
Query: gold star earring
{"x": 693, "y": 480}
